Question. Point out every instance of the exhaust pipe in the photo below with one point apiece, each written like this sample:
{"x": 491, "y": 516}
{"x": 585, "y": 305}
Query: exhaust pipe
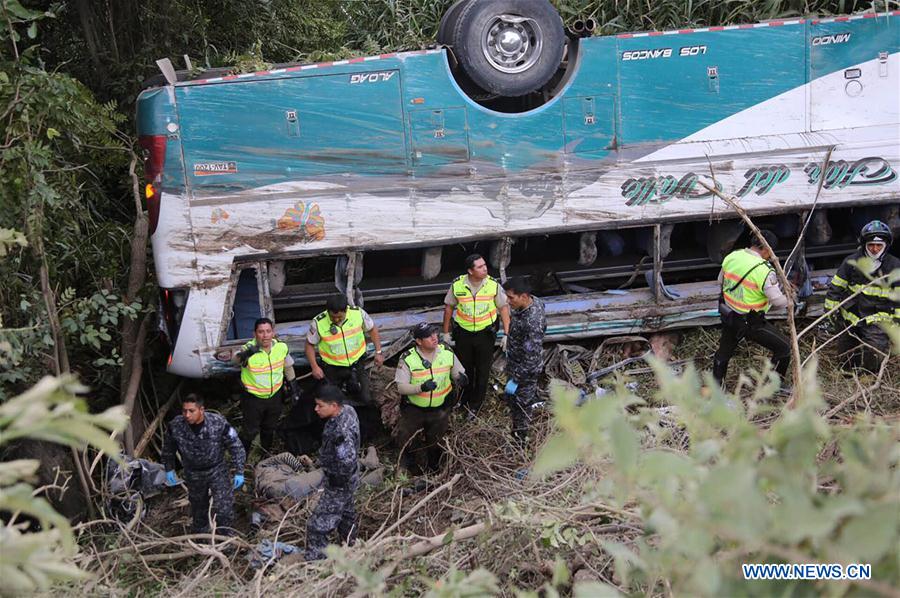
{"x": 589, "y": 26}
{"x": 578, "y": 27}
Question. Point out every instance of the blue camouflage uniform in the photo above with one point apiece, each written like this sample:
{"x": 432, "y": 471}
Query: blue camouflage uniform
{"x": 202, "y": 450}
{"x": 525, "y": 362}
{"x": 338, "y": 458}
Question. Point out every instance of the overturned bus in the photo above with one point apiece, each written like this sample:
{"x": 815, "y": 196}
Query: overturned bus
{"x": 584, "y": 163}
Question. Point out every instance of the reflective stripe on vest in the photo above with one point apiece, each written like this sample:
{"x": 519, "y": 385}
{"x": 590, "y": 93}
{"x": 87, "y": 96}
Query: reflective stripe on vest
{"x": 347, "y": 343}
{"x": 475, "y": 312}
{"x": 439, "y": 371}
{"x": 749, "y": 295}
{"x": 263, "y": 375}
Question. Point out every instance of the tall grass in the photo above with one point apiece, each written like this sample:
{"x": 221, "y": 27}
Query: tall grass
{"x": 375, "y": 25}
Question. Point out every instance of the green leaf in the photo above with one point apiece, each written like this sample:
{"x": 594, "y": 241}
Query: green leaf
{"x": 625, "y": 560}
{"x": 867, "y": 538}
{"x": 560, "y": 573}
{"x": 32, "y": 30}
{"x": 595, "y": 589}
{"x": 20, "y": 12}
{"x": 625, "y": 445}
{"x": 20, "y": 469}
{"x": 52, "y": 133}
{"x": 558, "y": 453}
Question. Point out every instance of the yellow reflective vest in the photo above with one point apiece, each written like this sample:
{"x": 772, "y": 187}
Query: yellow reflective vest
{"x": 263, "y": 375}
{"x": 341, "y": 345}
{"x": 477, "y": 311}
{"x": 439, "y": 371}
{"x": 744, "y": 278}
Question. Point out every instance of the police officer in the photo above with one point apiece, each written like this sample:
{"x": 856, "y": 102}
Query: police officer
{"x": 425, "y": 376}
{"x": 201, "y": 438}
{"x": 338, "y": 459}
{"x": 339, "y": 335}
{"x": 474, "y": 301}
{"x": 524, "y": 353}
{"x": 749, "y": 290}
{"x": 865, "y": 343}
{"x": 266, "y": 364}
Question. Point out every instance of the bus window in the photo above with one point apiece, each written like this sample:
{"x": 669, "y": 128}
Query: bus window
{"x": 246, "y": 308}
{"x": 308, "y": 282}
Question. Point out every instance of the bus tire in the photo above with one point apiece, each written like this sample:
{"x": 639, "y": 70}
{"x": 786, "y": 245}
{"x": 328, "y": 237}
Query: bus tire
{"x": 448, "y": 22}
{"x": 509, "y": 47}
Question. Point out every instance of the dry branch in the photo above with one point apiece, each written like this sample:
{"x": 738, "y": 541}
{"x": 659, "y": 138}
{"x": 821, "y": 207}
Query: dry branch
{"x": 151, "y": 429}
{"x": 419, "y": 505}
{"x": 426, "y": 546}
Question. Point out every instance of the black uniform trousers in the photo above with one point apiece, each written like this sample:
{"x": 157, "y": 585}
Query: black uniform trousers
{"x": 353, "y": 380}
{"x": 755, "y": 327}
{"x": 419, "y": 436}
{"x": 334, "y": 511}
{"x": 260, "y": 417}
{"x": 475, "y": 351}
{"x": 863, "y": 346}
{"x": 201, "y": 485}
{"x": 520, "y": 406}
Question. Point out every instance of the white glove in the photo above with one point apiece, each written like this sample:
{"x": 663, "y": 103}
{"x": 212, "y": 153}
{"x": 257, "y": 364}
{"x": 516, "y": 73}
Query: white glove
{"x": 503, "y": 340}
{"x": 447, "y": 339}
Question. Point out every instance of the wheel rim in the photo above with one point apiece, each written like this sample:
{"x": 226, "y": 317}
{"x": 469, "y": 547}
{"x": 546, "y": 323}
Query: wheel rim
{"x": 512, "y": 44}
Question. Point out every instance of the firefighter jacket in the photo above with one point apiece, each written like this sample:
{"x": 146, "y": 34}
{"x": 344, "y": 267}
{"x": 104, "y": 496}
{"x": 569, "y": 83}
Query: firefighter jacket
{"x": 876, "y": 302}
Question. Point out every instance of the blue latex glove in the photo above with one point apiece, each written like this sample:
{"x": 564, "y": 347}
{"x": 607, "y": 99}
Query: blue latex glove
{"x": 511, "y": 387}
{"x": 238, "y": 480}
{"x": 172, "y": 479}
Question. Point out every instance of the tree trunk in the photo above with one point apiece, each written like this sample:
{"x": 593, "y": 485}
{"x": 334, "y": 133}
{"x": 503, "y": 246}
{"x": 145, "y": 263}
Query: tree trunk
{"x": 134, "y": 335}
{"x": 85, "y": 15}
{"x": 137, "y": 275}
{"x": 36, "y": 240}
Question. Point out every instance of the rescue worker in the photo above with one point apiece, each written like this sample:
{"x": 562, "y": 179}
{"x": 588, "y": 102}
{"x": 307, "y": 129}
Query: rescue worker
{"x": 266, "y": 364}
{"x": 749, "y": 290}
{"x": 339, "y": 335}
{"x": 474, "y": 301}
{"x": 524, "y": 354}
{"x": 201, "y": 438}
{"x": 865, "y": 343}
{"x": 425, "y": 377}
{"x": 338, "y": 459}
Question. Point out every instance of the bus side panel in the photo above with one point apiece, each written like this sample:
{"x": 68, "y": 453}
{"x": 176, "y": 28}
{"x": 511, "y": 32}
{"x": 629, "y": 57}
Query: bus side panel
{"x": 240, "y": 135}
{"x": 866, "y": 52}
{"x": 673, "y": 86}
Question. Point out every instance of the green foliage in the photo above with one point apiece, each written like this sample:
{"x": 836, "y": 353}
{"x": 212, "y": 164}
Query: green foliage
{"x": 32, "y": 561}
{"x": 741, "y": 493}
{"x": 60, "y": 144}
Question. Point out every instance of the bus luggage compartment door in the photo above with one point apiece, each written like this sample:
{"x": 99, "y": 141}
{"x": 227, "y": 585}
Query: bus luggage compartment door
{"x": 438, "y": 136}
{"x": 590, "y": 123}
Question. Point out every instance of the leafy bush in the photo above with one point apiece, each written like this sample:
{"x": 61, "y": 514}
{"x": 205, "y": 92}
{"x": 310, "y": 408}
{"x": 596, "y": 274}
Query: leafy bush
{"x": 34, "y": 560}
{"x": 798, "y": 490}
